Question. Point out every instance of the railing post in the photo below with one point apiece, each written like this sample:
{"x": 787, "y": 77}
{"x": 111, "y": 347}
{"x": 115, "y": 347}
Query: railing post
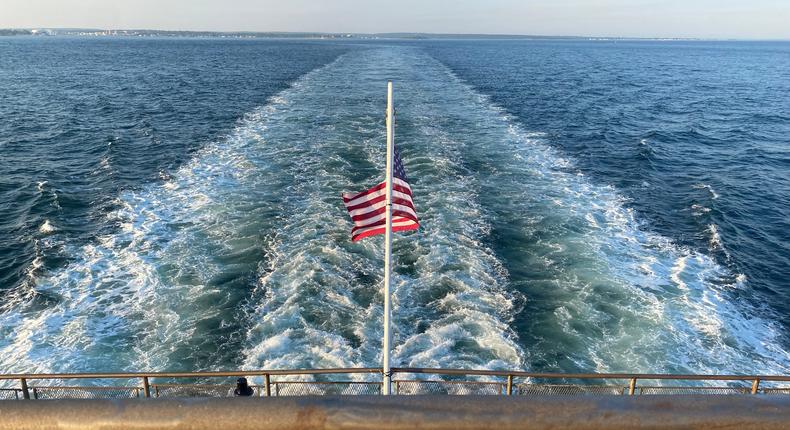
{"x": 632, "y": 387}
{"x": 509, "y": 385}
{"x": 756, "y": 386}
{"x": 146, "y": 387}
{"x": 25, "y": 390}
{"x": 386, "y": 383}
{"x": 397, "y": 387}
{"x": 268, "y": 383}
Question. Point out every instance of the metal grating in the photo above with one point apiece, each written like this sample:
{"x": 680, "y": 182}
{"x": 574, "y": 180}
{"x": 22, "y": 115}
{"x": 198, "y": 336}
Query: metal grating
{"x": 190, "y": 390}
{"x": 567, "y": 390}
{"x": 776, "y": 390}
{"x": 85, "y": 392}
{"x": 345, "y": 388}
{"x": 10, "y": 393}
{"x": 418, "y": 387}
{"x": 714, "y": 391}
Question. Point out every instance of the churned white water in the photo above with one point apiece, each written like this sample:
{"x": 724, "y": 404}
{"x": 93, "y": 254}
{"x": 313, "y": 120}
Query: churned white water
{"x": 242, "y": 257}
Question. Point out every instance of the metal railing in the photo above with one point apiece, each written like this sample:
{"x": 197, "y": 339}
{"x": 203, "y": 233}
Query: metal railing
{"x": 368, "y": 381}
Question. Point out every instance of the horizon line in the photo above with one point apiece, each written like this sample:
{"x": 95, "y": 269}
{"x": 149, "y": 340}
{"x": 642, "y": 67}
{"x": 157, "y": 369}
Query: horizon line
{"x": 396, "y": 34}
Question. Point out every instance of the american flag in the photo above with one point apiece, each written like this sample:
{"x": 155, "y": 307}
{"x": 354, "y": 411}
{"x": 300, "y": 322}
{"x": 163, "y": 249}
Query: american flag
{"x": 368, "y": 208}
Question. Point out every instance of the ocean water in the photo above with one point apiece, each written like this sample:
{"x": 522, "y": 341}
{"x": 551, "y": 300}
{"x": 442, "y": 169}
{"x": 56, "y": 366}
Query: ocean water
{"x": 174, "y": 204}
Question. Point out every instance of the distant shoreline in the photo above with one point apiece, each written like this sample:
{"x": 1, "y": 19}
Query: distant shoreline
{"x": 92, "y": 32}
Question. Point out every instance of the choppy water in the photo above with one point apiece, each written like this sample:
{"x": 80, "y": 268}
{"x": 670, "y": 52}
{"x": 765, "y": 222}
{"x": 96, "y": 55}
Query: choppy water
{"x": 174, "y": 204}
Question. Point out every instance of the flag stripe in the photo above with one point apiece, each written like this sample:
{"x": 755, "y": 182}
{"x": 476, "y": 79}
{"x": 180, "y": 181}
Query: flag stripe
{"x": 368, "y": 208}
{"x": 381, "y": 219}
{"x": 374, "y": 194}
{"x": 372, "y": 231}
{"x": 379, "y": 207}
{"x": 362, "y": 203}
{"x": 397, "y": 185}
{"x": 381, "y": 222}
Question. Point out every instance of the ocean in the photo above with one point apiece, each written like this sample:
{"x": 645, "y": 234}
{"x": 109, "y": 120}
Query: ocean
{"x": 586, "y": 206}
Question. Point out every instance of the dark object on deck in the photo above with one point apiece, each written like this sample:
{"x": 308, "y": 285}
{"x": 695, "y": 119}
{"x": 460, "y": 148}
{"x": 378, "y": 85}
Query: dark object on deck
{"x": 242, "y": 389}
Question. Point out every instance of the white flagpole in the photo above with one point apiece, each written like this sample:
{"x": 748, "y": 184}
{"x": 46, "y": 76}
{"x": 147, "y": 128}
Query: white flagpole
{"x": 388, "y": 244}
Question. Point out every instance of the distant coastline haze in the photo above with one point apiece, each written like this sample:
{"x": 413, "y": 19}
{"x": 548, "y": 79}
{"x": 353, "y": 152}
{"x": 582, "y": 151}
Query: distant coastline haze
{"x": 724, "y": 19}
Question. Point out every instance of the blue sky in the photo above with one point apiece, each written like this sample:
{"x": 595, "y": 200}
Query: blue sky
{"x": 745, "y": 19}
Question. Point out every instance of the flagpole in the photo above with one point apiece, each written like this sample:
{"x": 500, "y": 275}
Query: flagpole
{"x": 388, "y": 245}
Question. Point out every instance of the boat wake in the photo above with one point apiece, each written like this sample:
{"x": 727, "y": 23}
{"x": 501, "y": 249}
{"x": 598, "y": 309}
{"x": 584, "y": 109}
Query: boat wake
{"x": 242, "y": 257}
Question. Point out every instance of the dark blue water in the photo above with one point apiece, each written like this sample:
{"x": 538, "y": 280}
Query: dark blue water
{"x": 697, "y": 135}
{"x": 86, "y": 118}
{"x": 611, "y": 206}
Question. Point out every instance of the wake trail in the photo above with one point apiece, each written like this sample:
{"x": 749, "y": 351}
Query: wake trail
{"x": 321, "y": 301}
{"x": 602, "y": 292}
{"x": 242, "y": 257}
{"x": 165, "y": 289}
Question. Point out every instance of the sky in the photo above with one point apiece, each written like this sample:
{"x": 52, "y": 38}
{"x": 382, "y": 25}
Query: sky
{"x": 741, "y": 19}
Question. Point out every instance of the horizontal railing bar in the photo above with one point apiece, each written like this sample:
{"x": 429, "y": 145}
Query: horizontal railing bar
{"x": 449, "y": 382}
{"x": 371, "y": 370}
{"x": 327, "y": 382}
{"x": 587, "y": 375}
{"x": 198, "y": 385}
{"x": 686, "y": 387}
{"x": 77, "y": 387}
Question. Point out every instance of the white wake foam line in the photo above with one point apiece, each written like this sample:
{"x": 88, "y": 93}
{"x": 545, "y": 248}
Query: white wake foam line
{"x": 468, "y": 327}
{"x": 309, "y": 287}
{"x": 663, "y": 328}
{"x": 307, "y": 312}
{"x": 679, "y": 318}
{"x": 310, "y": 313}
{"x": 113, "y": 311}
{"x": 699, "y": 319}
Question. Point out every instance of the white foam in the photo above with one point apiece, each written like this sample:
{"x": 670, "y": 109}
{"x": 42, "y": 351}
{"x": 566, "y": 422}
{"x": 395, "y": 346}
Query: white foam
{"x": 715, "y": 237}
{"x": 142, "y": 297}
{"x": 139, "y": 298}
{"x": 629, "y": 300}
{"x": 710, "y": 189}
{"x": 322, "y": 299}
{"x": 699, "y": 210}
{"x": 677, "y": 270}
{"x": 46, "y": 227}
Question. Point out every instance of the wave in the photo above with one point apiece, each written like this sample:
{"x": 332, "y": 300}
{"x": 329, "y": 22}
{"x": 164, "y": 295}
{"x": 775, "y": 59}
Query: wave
{"x": 713, "y": 194}
{"x": 46, "y": 227}
{"x": 242, "y": 257}
{"x": 164, "y": 290}
{"x": 602, "y": 292}
{"x": 320, "y": 300}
